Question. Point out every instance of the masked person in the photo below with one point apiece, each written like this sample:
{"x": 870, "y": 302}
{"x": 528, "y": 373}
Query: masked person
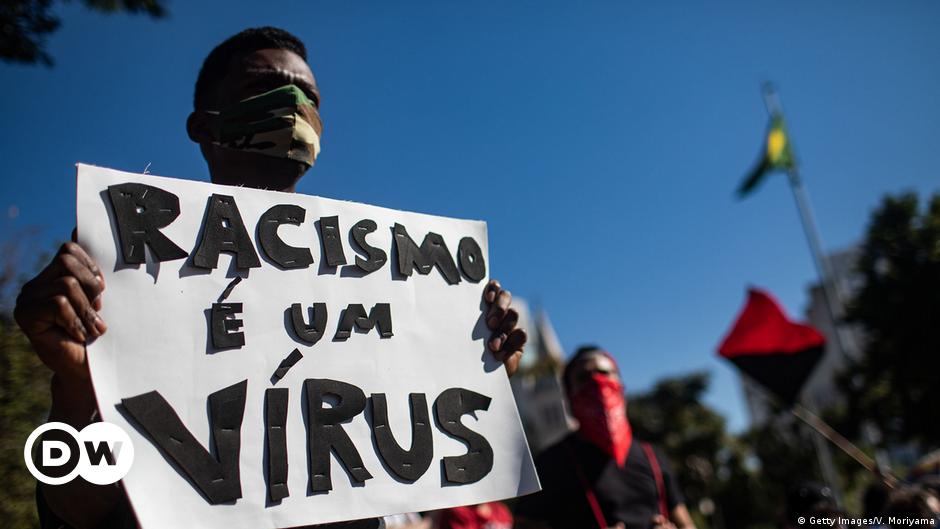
{"x": 256, "y": 120}
{"x": 600, "y": 476}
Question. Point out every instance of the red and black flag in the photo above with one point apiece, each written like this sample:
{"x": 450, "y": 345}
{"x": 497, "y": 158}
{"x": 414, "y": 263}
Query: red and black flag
{"x": 777, "y": 353}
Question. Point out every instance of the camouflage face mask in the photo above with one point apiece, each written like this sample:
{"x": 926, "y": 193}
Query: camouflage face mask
{"x": 283, "y": 123}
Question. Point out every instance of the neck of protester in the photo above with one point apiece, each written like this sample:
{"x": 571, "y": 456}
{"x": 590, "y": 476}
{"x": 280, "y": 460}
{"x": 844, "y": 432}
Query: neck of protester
{"x": 241, "y": 178}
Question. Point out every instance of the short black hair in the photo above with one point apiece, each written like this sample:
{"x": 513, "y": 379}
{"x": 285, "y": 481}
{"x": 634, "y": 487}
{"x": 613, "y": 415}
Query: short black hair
{"x": 578, "y": 355}
{"x": 215, "y": 67}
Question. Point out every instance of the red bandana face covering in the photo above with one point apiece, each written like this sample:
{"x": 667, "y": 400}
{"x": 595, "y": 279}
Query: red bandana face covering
{"x": 599, "y": 407}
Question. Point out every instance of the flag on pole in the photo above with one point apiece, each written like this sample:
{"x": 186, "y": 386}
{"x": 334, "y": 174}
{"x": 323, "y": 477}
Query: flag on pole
{"x": 776, "y": 156}
{"x": 777, "y": 353}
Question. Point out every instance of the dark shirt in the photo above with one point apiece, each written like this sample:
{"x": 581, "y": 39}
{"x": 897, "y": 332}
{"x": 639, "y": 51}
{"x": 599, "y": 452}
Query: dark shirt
{"x": 627, "y": 494}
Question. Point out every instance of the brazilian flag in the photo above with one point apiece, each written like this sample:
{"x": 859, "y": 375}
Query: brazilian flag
{"x": 777, "y": 156}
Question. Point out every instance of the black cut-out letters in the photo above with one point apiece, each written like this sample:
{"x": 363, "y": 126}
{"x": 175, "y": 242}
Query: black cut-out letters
{"x": 376, "y": 257}
{"x": 140, "y": 211}
{"x": 433, "y": 252}
{"x": 325, "y": 431}
{"x": 313, "y": 332}
{"x": 285, "y": 365}
{"x": 224, "y": 231}
{"x": 224, "y": 326}
{"x": 285, "y": 256}
{"x": 355, "y": 314}
{"x": 275, "y": 418}
{"x": 332, "y": 244}
{"x": 450, "y": 406}
{"x": 471, "y": 259}
{"x": 410, "y": 464}
{"x": 217, "y": 479}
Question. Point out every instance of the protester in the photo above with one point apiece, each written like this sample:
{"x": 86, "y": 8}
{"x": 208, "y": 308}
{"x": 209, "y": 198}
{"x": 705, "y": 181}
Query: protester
{"x": 912, "y": 506}
{"x": 262, "y": 68}
{"x": 492, "y": 515}
{"x": 600, "y": 476}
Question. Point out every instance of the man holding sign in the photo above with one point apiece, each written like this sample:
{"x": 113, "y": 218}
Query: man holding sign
{"x": 257, "y": 124}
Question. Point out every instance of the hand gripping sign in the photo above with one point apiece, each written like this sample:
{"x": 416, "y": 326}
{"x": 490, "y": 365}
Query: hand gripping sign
{"x": 282, "y": 360}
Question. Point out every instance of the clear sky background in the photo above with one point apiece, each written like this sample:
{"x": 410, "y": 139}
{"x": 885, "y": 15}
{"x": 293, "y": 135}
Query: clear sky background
{"x": 601, "y": 141}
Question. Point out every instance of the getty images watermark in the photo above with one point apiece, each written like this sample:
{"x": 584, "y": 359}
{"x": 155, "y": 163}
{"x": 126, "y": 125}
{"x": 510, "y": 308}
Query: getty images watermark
{"x": 877, "y": 521}
{"x": 101, "y": 453}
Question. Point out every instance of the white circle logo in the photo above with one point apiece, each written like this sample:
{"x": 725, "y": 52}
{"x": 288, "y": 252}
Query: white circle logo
{"x": 101, "y": 453}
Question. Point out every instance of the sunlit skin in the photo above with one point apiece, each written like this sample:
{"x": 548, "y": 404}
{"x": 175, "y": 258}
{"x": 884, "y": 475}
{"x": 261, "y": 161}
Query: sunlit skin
{"x": 58, "y": 309}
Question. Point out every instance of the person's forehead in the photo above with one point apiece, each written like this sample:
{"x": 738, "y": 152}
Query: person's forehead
{"x": 276, "y": 60}
{"x": 596, "y": 362}
{"x": 262, "y": 70}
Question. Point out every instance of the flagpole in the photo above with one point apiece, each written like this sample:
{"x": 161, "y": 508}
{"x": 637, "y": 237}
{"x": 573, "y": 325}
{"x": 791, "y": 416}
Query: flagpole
{"x": 830, "y": 292}
{"x": 821, "y": 427}
{"x": 814, "y": 422}
{"x": 831, "y": 295}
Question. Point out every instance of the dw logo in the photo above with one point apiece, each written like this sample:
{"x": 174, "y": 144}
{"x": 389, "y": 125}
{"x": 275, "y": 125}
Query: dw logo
{"x": 101, "y": 453}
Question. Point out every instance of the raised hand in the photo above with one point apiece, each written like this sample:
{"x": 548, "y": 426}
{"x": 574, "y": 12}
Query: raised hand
{"x": 58, "y": 311}
{"x": 507, "y": 340}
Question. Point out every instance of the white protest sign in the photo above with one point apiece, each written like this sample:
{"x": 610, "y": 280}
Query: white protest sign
{"x": 343, "y": 376}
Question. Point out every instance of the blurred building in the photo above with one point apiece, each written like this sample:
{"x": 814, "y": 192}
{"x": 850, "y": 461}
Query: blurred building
{"x": 537, "y": 385}
{"x": 821, "y": 390}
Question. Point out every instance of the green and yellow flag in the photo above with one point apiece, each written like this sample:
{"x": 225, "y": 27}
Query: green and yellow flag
{"x": 776, "y": 156}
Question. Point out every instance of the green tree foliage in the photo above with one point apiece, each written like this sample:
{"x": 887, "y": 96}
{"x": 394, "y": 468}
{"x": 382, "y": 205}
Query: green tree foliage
{"x": 24, "y": 405}
{"x": 785, "y": 451}
{"x": 24, "y": 400}
{"x": 898, "y": 305}
{"x": 25, "y": 24}
{"x": 711, "y": 465}
{"x": 673, "y": 417}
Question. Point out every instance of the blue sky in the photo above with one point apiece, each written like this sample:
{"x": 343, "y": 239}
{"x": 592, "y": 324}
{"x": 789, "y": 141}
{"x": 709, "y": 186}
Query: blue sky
{"x": 601, "y": 141}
